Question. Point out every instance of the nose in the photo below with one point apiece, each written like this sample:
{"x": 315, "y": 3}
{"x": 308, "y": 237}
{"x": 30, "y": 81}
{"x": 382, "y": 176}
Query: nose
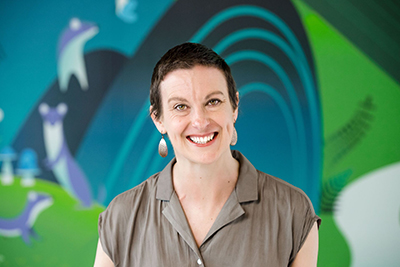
{"x": 200, "y": 119}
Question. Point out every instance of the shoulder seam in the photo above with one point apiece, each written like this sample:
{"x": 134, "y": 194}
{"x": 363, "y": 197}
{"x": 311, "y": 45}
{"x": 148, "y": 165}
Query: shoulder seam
{"x": 283, "y": 182}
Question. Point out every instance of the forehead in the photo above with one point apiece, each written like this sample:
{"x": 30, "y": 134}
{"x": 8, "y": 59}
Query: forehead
{"x": 198, "y": 81}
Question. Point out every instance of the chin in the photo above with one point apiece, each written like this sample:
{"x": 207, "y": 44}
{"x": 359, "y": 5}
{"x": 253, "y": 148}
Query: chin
{"x": 206, "y": 157}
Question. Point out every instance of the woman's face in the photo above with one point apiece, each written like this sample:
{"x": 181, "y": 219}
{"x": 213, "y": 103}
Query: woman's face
{"x": 197, "y": 114}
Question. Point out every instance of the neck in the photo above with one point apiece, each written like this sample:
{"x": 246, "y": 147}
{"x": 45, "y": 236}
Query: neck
{"x": 205, "y": 182}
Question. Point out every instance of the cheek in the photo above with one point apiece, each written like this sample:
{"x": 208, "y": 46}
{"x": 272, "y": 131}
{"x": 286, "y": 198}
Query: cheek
{"x": 226, "y": 123}
{"x": 228, "y": 119}
{"x": 176, "y": 125}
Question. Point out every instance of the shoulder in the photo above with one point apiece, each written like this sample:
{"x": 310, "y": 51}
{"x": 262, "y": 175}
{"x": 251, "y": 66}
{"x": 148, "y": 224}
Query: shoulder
{"x": 255, "y": 184}
{"x": 125, "y": 205}
{"x": 123, "y": 211}
{"x": 140, "y": 194}
{"x": 287, "y": 199}
{"x": 273, "y": 188}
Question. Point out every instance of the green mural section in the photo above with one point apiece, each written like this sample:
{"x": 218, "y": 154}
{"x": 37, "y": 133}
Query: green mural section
{"x": 360, "y": 121}
{"x": 65, "y": 232}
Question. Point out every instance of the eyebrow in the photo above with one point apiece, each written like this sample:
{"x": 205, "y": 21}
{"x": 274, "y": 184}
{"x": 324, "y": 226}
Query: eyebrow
{"x": 214, "y": 93}
{"x": 181, "y": 99}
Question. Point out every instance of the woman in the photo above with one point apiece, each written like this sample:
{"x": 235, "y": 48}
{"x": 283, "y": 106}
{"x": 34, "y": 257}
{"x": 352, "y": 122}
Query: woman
{"x": 209, "y": 206}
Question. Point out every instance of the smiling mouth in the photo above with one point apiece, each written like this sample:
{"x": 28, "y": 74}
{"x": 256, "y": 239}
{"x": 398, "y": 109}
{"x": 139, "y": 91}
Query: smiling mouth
{"x": 202, "y": 140}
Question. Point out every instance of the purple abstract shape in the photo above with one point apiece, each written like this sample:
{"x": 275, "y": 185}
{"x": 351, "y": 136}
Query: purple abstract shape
{"x": 70, "y": 33}
{"x": 70, "y": 175}
{"x": 22, "y": 225}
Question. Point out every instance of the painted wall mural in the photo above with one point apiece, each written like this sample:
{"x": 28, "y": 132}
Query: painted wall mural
{"x": 319, "y": 109}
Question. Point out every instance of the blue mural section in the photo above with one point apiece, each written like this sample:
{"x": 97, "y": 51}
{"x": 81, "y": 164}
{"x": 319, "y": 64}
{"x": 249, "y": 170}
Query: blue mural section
{"x": 34, "y": 49}
{"x": 107, "y": 143}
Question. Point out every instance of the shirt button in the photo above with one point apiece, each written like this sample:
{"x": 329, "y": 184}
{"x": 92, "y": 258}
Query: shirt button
{"x": 199, "y": 262}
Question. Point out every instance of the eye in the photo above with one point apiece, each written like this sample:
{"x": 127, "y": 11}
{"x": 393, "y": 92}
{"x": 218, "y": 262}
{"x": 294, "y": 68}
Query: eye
{"x": 213, "y": 102}
{"x": 180, "y": 107}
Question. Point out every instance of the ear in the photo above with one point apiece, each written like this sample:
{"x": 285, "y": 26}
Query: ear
{"x": 236, "y": 112}
{"x": 157, "y": 122}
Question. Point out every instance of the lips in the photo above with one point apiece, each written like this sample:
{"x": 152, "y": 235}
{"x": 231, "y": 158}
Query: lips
{"x": 201, "y": 140}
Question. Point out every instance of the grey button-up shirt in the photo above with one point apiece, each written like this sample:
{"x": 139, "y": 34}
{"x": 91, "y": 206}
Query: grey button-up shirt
{"x": 264, "y": 222}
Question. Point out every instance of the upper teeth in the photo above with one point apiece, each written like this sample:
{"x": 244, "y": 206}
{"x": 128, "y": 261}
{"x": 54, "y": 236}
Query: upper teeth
{"x": 202, "y": 140}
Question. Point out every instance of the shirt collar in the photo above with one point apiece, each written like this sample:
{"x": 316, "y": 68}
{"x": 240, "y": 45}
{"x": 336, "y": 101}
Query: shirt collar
{"x": 246, "y": 186}
{"x": 165, "y": 189}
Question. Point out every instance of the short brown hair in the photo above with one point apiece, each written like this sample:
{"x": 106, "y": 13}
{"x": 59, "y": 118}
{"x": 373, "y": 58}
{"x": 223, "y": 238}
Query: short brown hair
{"x": 186, "y": 56}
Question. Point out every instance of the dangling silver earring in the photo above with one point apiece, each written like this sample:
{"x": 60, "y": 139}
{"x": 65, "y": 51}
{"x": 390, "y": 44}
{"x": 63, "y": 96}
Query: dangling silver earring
{"x": 234, "y": 136}
{"x": 162, "y": 147}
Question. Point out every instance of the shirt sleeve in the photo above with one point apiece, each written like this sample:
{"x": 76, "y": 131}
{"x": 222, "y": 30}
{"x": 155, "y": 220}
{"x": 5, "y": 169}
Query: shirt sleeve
{"x": 309, "y": 219}
{"x": 107, "y": 233}
{"x": 304, "y": 218}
